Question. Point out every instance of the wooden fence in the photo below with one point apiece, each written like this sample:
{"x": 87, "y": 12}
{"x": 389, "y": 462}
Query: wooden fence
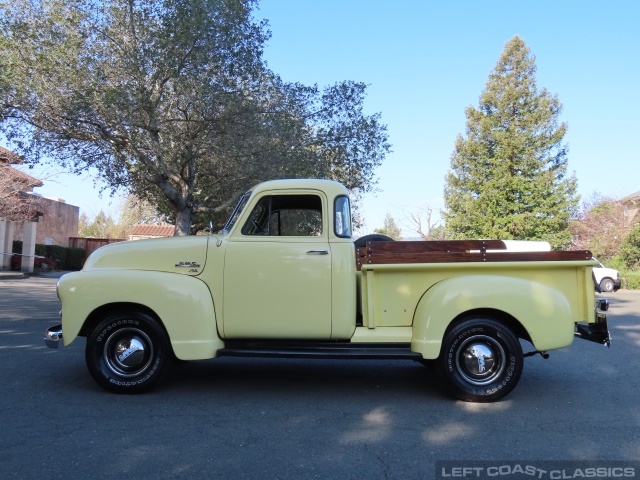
{"x": 91, "y": 244}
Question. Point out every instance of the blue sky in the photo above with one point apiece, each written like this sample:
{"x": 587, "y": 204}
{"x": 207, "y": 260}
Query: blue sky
{"x": 426, "y": 61}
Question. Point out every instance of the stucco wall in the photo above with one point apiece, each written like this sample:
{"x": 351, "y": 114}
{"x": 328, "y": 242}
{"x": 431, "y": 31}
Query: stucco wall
{"x": 59, "y": 222}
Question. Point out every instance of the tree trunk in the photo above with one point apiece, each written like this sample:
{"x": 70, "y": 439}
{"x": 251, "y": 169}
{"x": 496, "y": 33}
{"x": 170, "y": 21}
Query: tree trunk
{"x": 183, "y": 221}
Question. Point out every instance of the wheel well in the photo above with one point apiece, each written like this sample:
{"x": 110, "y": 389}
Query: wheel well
{"x": 99, "y": 313}
{"x": 504, "y": 318}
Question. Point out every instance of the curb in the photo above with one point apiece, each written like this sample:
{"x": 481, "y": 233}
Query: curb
{"x": 12, "y": 275}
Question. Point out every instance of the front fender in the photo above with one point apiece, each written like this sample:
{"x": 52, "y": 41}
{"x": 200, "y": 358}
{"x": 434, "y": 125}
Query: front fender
{"x": 544, "y": 312}
{"x": 182, "y": 303}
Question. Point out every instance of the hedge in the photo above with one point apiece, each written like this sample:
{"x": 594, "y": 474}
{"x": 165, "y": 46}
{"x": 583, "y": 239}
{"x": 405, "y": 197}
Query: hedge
{"x": 66, "y": 258}
{"x": 631, "y": 280}
{"x": 75, "y": 258}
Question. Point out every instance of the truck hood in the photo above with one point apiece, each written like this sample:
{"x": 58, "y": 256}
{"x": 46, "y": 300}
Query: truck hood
{"x": 184, "y": 255}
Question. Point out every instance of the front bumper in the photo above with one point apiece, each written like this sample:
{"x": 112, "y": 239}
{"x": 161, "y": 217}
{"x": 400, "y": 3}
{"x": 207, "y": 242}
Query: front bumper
{"x": 599, "y": 331}
{"x": 53, "y": 336}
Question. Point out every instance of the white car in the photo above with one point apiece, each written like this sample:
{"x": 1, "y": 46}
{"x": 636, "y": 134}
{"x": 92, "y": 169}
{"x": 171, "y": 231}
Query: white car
{"x": 607, "y": 278}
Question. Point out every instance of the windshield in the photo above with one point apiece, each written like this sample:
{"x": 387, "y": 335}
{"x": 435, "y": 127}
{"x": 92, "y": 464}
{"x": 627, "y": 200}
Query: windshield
{"x": 236, "y": 213}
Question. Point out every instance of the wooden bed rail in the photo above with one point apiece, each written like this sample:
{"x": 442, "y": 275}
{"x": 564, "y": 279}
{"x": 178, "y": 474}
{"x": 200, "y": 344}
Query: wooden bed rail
{"x": 380, "y": 253}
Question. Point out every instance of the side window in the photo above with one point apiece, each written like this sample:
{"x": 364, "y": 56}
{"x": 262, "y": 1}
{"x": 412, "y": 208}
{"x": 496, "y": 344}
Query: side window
{"x": 343, "y": 217}
{"x": 286, "y": 215}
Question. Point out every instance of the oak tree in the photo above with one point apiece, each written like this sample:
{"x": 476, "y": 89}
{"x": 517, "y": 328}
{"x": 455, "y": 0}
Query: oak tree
{"x": 173, "y": 102}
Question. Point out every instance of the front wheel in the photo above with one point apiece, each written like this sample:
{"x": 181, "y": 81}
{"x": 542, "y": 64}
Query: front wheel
{"x": 127, "y": 352}
{"x": 607, "y": 285}
{"x": 481, "y": 360}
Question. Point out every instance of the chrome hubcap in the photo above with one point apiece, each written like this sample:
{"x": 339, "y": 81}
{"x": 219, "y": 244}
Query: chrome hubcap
{"x": 480, "y": 359}
{"x": 128, "y": 352}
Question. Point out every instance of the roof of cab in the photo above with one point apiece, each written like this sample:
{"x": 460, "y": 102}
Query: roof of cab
{"x": 330, "y": 187}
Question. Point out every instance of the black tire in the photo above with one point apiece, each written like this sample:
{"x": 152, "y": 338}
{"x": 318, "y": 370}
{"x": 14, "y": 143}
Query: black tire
{"x": 127, "y": 352}
{"x": 607, "y": 285}
{"x": 481, "y": 360}
{"x": 375, "y": 237}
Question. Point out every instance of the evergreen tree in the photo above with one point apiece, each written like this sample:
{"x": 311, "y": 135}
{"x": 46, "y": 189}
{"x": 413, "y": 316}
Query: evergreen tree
{"x": 84, "y": 227}
{"x": 390, "y": 228}
{"x": 508, "y": 177}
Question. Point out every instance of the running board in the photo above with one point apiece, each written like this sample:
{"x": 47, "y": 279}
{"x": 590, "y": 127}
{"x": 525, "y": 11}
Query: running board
{"x": 320, "y": 350}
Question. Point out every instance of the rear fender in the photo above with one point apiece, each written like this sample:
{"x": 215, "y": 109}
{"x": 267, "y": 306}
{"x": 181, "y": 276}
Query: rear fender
{"x": 544, "y": 312}
{"x": 182, "y": 303}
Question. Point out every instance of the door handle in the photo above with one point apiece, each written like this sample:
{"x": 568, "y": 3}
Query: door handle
{"x": 318, "y": 252}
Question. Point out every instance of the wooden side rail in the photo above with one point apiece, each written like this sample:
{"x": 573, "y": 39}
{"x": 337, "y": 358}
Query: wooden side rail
{"x": 433, "y": 246}
{"x": 380, "y": 253}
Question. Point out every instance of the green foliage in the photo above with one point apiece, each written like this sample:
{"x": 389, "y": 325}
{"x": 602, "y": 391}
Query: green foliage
{"x": 508, "y": 177}
{"x": 438, "y": 233}
{"x": 131, "y": 212}
{"x": 102, "y": 226}
{"x": 41, "y": 250}
{"x": 390, "y": 228}
{"x": 617, "y": 263}
{"x": 57, "y": 253}
{"x": 173, "y": 102}
{"x": 75, "y": 259}
{"x": 630, "y": 248}
{"x": 17, "y": 246}
{"x": 631, "y": 280}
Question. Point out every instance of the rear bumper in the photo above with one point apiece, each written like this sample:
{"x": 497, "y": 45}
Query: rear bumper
{"x": 53, "y": 336}
{"x": 598, "y": 331}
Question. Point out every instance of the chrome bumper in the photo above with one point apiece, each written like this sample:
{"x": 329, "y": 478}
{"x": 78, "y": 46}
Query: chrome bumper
{"x": 53, "y": 336}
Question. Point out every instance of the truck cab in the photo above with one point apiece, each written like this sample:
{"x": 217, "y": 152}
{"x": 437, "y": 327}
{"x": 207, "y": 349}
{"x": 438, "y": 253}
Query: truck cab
{"x": 289, "y": 268}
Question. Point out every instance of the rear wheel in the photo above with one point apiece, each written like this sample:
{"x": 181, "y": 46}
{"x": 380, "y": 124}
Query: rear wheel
{"x": 481, "y": 360}
{"x": 127, "y": 352}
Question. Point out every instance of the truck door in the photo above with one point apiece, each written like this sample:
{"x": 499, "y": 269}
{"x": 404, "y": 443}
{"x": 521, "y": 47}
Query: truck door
{"x": 277, "y": 274}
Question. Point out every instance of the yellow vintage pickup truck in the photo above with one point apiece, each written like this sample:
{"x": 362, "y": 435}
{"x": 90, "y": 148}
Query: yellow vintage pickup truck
{"x": 285, "y": 279}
